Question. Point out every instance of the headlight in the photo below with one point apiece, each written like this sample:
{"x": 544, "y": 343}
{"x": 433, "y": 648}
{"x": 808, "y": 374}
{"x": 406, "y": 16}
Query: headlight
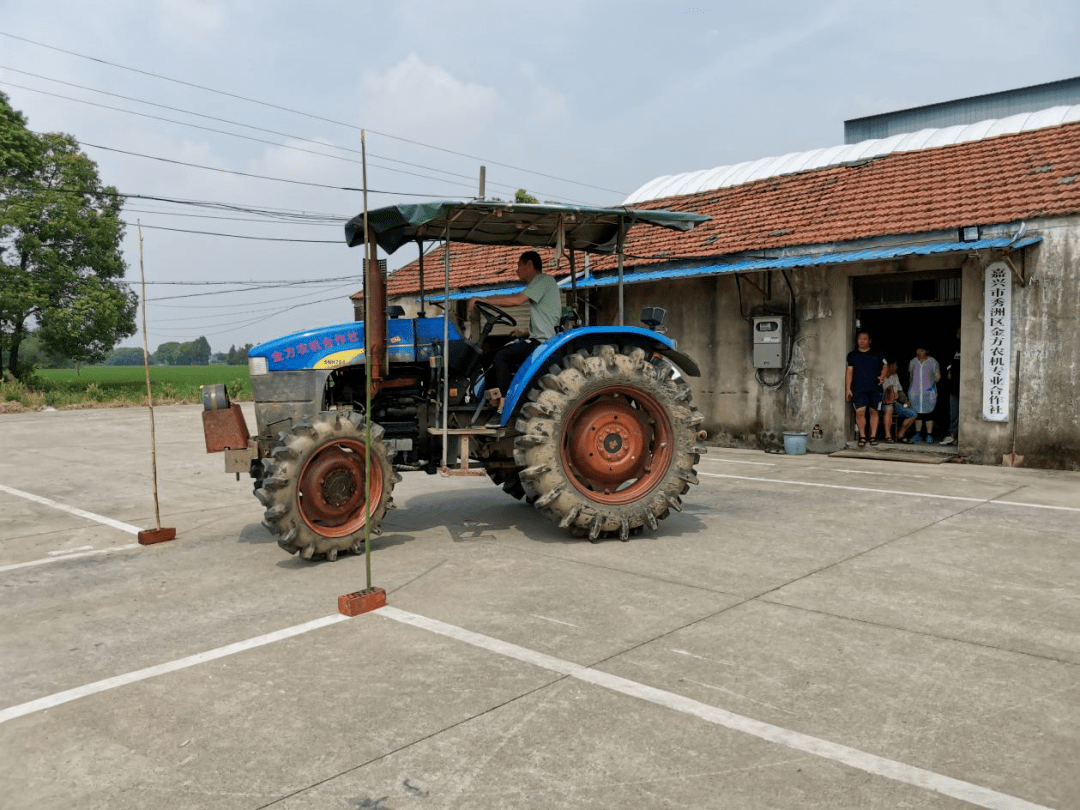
{"x": 257, "y": 366}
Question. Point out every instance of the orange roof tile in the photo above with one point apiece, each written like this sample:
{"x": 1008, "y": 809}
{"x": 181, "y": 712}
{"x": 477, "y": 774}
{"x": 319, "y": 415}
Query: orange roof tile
{"x": 998, "y": 180}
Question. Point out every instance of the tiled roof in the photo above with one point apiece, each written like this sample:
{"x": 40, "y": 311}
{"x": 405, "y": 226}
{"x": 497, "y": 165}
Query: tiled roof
{"x": 1005, "y": 179}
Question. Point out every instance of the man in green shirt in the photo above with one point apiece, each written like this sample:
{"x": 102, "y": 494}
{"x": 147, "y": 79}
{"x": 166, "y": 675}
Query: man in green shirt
{"x": 541, "y": 293}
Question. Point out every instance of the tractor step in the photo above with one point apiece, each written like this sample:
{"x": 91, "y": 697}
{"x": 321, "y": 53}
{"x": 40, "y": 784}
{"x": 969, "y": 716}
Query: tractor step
{"x": 465, "y": 435}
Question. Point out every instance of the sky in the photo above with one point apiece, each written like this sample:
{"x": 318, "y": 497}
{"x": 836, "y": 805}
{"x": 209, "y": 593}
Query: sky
{"x": 579, "y": 101}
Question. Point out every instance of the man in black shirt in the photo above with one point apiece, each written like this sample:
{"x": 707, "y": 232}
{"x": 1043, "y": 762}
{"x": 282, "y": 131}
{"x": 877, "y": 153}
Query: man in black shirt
{"x": 865, "y": 372}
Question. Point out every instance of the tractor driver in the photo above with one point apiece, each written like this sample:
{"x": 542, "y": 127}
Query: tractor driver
{"x": 542, "y": 294}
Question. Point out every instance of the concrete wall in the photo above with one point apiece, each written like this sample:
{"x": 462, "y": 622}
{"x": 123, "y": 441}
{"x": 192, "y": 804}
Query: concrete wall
{"x": 704, "y": 317}
{"x": 1046, "y": 333}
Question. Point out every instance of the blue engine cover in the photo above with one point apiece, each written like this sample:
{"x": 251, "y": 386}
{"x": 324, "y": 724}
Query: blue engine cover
{"x": 407, "y": 341}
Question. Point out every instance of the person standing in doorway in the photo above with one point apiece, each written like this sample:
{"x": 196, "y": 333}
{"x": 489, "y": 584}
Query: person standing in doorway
{"x": 865, "y": 372}
{"x": 924, "y": 374}
{"x": 952, "y": 385}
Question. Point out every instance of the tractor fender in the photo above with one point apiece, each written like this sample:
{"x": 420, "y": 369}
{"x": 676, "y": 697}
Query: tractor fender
{"x": 565, "y": 343}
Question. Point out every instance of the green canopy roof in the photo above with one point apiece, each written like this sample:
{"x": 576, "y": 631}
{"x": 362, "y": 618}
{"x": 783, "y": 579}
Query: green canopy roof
{"x": 594, "y": 230}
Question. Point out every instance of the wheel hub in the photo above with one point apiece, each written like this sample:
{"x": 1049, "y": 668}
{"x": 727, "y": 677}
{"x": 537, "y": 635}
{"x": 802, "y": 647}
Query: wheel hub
{"x": 617, "y": 445}
{"x": 608, "y": 445}
{"x": 332, "y": 486}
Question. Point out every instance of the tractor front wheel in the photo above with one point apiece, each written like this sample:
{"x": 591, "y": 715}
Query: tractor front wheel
{"x": 315, "y": 485}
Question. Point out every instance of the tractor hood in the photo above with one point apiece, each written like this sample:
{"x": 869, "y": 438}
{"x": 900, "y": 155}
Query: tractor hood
{"x": 575, "y": 227}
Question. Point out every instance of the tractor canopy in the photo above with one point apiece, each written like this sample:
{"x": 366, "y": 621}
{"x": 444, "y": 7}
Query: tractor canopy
{"x": 479, "y": 222}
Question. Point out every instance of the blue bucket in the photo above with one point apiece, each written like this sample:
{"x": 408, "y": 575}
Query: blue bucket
{"x": 794, "y": 443}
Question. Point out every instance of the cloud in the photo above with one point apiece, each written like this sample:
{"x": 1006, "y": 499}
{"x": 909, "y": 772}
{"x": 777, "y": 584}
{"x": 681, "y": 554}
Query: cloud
{"x": 191, "y": 18}
{"x": 414, "y": 96}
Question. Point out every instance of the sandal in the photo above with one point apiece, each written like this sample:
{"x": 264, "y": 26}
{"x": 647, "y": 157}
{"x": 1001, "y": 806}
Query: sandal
{"x": 890, "y": 440}
{"x": 873, "y": 442}
{"x": 862, "y": 442}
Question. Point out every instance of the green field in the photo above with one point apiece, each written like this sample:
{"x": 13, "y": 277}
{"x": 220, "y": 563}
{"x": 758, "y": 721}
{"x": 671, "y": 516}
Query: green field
{"x": 119, "y": 386}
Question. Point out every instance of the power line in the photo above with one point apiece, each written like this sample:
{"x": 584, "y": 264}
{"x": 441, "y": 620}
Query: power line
{"x": 228, "y": 121}
{"x": 331, "y": 280}
{"x": 236, "y": 235}
{"x": 243, "y": 137}
{"x": 230, "y": 219}
{"x": 243, "y": 174}
{"x": 308, "y": 115}
{"x": 285, "y": 213}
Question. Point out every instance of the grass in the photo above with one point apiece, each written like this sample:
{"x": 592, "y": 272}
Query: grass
{"x": 118, "y": 387}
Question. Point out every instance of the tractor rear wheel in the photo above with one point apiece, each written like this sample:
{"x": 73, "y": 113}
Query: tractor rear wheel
{"x": 608, "y": 443}
{"x": 315, "y": 485}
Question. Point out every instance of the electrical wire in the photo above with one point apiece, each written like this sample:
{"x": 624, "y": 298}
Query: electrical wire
{"x": 242, "y": 174}
{"x": 237, "y": 235}
{"x": 244, "y": 137}
{"x": 308, "y": 115}
{"x": 291, "y": 136}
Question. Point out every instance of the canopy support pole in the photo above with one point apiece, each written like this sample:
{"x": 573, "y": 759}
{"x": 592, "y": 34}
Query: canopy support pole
{"x": 619, "y": 248}
{"x": 420, "y": 247}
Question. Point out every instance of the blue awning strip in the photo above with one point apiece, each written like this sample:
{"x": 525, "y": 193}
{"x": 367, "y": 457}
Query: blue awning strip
{"x": 754, "y": 265}
{"x": 807, "y": 260}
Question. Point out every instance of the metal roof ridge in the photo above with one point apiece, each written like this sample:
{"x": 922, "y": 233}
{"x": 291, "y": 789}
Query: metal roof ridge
{"x": 671, "y": 185}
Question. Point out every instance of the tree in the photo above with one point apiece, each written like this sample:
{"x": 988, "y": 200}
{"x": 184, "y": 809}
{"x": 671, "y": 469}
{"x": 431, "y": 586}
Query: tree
{"x": 60, "y": 259}
{"x": 522, "y": 196}
{"x": 238, "y": 356}
{"x": 125, "y": 356}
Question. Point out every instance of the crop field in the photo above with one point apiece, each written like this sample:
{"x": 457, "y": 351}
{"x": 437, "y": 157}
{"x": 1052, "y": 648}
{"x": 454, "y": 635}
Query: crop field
{"x": 119, "y": 386}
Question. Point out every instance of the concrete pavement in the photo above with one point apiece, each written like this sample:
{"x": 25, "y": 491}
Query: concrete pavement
{"x": 808, "y": 632}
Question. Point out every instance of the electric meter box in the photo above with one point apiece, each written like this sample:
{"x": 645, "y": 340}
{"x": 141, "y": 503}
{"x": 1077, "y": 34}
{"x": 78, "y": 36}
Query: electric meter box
{"x": 769, "y": 341}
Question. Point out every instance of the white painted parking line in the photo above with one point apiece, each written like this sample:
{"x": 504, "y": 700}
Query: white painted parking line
{"x": 72, "y": 556}
{"x": 861, "y": 760}
{"x": 870, "y": 472}
{"x": 116, "y": 524}
{"x": 735, "y": 461}
{"x": 869, "y": 763}
{"x": 892, "y": 492}
{"x": 42, "y": 704}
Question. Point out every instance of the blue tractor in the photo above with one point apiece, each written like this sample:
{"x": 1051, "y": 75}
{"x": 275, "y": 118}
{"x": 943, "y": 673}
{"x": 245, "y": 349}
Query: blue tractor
{"x": 597, "y": 432}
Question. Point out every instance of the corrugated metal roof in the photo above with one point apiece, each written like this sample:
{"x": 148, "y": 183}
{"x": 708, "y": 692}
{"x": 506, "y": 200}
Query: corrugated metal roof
{"x": 807, "y": 260}
{"x": 724, "y": 176}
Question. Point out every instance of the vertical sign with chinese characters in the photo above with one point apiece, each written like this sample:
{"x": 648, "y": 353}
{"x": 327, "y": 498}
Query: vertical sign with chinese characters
{"x": 997, "y": 330}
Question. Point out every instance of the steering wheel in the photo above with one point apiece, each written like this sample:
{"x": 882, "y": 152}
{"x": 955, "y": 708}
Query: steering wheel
{"x": 493, "y": 314}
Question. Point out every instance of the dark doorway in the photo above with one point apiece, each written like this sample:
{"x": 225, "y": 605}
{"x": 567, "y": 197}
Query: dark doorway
{"x": 898, "y": 331}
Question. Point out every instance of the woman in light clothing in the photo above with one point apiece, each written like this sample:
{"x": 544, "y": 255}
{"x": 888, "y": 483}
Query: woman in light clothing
{"x": 924, "y": 373}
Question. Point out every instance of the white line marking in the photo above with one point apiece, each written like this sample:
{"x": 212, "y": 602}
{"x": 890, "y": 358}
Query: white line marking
{"x": 45, "y": 560}
{"x": 739, "y": 695}
{"x": 868, "y": 472}
{"x": 547, "y": 619}
{"x": 891, "y": 492}
{"x": 116, "y": 524}
{"x": 58, "y": 552}
{"x": 60, "y": 698}
{"x": 870, "y": 763}
{"x": 734, "y": 461}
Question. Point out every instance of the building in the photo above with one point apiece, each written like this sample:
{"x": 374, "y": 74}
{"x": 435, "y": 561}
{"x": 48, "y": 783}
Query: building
{"x": 911, "y": 239}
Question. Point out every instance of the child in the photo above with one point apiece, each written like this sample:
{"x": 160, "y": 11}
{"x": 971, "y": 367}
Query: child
{"x": 893, "y": 399}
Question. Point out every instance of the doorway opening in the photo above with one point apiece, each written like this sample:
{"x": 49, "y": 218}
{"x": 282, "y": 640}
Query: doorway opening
{"x": 908, "y": 312}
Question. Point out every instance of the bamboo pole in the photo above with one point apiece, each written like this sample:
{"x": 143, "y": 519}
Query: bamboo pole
{"x": 157, "y": 535}
{"x": 367, "y": 367}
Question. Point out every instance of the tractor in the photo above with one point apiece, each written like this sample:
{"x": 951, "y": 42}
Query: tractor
{"x": 598, "y": 431}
